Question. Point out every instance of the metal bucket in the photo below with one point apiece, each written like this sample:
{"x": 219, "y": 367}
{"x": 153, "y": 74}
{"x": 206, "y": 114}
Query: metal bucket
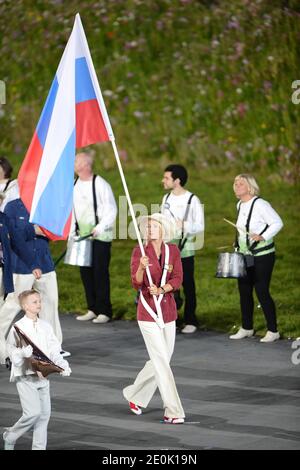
{"x": 231, "y": 265}
{"x": 79, "y": 252}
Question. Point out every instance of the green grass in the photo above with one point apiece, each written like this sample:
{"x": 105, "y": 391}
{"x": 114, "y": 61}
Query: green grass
{"x": 206, "y": 82}
{"x": 203, "y": 83}
{"x": 218, "y": 300}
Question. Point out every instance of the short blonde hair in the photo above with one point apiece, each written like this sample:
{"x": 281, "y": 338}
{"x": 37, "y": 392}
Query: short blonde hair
{"x": 26, "y": 293}
{"x": 251, "y": 182}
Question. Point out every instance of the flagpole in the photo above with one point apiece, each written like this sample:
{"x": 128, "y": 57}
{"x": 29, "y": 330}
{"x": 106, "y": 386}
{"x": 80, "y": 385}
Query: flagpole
{"x": 133, "y": 215}
{"x": 128, "y": 198}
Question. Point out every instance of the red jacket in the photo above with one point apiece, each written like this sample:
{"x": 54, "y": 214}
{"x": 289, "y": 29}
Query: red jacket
{"x": 174, "y": 278}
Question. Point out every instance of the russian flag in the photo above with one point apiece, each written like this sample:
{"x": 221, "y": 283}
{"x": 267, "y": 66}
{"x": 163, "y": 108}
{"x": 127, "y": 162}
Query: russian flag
{"x": 74, "y": 116}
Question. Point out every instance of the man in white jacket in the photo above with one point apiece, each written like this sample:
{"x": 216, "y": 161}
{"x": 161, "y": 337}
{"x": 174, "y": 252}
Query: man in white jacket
{"x": 33, "y": 388}
{"x": 94, "y": 211}
{"x": 186, "y": 210}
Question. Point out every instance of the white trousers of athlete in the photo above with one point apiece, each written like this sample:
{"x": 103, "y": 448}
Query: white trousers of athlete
{"x": 47, "y": 287}
{"x": 1, "y": 288}
{"x": 157, "y": 372}
{"x": 34, "y": 396}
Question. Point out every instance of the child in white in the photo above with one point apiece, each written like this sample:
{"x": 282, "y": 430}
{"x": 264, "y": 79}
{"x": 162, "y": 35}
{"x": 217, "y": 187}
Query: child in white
{"x": 33, "y": 388}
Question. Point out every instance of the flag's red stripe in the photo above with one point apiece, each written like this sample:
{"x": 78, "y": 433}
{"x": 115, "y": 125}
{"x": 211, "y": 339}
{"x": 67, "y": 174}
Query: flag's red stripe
{"x": 90, "y": 127}
{"x": 66, "y": 231}
{"x": 28, "y": 172}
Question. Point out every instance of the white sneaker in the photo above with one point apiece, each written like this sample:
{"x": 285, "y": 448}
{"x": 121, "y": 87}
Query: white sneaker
{"x": 242, "y": 333}
{"x": 88, "y": 316}
{"x": 101, "y": 319}
{"x": 173, "y": 420}
{"x": 270, "y": 337}
{"x": 189, "y": 329}
{"x": 137, "y": 410}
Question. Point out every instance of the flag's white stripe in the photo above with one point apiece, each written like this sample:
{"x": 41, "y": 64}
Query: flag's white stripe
{"x": 70, "y": 44}
{"x": 62, "y": 122}
{"x": 83, "y": 49}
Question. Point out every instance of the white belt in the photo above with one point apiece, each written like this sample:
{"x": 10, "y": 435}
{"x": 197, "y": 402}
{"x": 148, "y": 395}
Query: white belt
{"x": 158, "y": 317}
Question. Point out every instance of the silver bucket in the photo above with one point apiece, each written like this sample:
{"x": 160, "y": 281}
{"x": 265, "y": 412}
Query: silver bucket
{"x": 79, "y": 252}
{"x": 231, "y": 265}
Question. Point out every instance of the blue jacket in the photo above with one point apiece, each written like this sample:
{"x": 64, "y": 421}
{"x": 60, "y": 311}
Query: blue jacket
{"x": 36, "y": 246}
{"x": 10, "y": 240}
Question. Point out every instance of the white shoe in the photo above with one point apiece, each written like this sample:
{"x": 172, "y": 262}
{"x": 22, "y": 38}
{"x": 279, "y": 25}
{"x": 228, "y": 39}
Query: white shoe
{"x": 242, "y": 333}
{"x": 101, "y": 319}
{"x": 137, "y": 410}
{"x": 7, "y": 445}
{"x": 65, "y": 353}
{"x": 270, "y": 337}
{"x": 88, "y": 316}
{"x": 189, "y": 329}
{"x": 173, "y": 420}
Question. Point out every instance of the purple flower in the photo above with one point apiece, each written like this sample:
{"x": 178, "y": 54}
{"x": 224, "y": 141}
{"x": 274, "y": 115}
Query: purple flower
{"x": 267, "y": 85}
{"x": 233, "y": 24}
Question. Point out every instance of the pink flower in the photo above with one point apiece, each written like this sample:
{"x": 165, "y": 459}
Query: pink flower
{"x": 242, "y": 108}
{"x": 123, "y": 155}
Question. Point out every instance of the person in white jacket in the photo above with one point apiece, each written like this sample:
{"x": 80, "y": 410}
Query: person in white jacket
{"x": 33, "y": 388}
{"x": 186, "y": 210}
{"x": 257, "y": 225}
{"x": 94, "y": 211}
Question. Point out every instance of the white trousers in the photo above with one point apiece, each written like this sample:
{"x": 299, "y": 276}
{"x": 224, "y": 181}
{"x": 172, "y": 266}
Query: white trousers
{"x": 157, "y": 372}
{"x": 47, "y": 286}
{"x": 1, "y": 288}
{"x": 34, "y": 396}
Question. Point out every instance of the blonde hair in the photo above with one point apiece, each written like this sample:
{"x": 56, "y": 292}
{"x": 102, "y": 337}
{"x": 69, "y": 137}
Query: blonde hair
{"x": 26, "y": 293}
{"x": 251, "y": 182}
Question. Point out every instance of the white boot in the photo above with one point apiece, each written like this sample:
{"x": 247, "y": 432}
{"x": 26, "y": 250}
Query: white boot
{"x": 270, "y": 337}
{"x": 88, "y": 316}
{"x": 242, "y": 333}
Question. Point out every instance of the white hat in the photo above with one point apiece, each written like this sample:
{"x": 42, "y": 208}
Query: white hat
{"x": 168, "y": 225}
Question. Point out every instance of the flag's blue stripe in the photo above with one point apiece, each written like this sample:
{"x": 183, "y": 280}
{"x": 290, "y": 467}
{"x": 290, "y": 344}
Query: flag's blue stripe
{"x": 44, "y": 121}
{"x": 55, "y": 203}
{"x": 84, "y": 89}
